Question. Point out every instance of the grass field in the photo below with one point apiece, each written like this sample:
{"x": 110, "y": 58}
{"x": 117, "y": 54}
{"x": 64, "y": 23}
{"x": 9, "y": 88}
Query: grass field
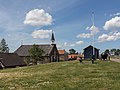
{"x": 69, "y": 75}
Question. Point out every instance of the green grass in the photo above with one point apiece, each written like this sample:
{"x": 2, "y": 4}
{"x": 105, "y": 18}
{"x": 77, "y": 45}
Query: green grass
{"x": 69, "y": 75}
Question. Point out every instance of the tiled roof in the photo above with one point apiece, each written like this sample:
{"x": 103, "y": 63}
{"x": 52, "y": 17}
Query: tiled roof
{"x": 61, "y": 51}
{"x": 11, "y": 59}
{"x": 23, "y": 50}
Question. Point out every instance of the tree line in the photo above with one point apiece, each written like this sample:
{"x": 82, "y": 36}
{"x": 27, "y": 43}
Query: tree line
{"x": 113, "y": 51}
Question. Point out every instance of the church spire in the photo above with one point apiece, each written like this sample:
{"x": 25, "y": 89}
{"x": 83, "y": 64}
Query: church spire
{"x": 52, "y": 38}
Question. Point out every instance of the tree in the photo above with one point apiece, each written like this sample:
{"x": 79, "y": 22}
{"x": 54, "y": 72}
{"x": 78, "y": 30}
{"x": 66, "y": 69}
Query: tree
{"x": 72, "y": 51}
{"x": 27, "y": 61}
{"x": 107, "y": 51}
{"x": 3, "y": 46}
{"x": 117, "y": 52}
{"x": 36, "y": 54}
{"x": 113, "y": 50}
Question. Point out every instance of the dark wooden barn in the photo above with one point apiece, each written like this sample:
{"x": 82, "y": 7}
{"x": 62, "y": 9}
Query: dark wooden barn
{"x": 88, "y": 52}
{"x": 8, "y": 60}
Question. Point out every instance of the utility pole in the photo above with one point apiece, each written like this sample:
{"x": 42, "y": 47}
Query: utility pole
{"x": 93, "y": 34}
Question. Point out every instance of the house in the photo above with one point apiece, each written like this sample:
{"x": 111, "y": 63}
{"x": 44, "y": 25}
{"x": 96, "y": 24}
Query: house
{"x": 50, "y": 51}
{"x": 88, "y": 52}
{"x": 63, "y": 55}
{"x": 8, "y": 60}
{"x": 75, "y": 56}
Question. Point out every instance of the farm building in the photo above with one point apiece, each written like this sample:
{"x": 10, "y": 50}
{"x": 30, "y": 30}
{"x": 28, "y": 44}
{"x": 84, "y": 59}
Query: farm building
{"x": 75, "y": 56}
{"x": 88, "y": 52}
{"x": 63, "y": 55}
{"x": 8, "y": 60}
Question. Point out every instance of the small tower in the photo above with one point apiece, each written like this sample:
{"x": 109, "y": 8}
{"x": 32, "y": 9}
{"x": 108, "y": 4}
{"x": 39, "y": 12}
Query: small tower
{"x": 52, "y": 38}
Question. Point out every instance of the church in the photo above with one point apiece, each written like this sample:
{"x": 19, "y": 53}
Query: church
{"x": 51, "y": 52}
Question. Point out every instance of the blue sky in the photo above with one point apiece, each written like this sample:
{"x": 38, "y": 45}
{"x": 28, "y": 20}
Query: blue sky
{"x": 31, "y": 21}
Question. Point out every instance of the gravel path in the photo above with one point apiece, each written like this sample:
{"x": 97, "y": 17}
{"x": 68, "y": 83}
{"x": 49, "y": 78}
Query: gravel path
{"x": 116, "y": 60}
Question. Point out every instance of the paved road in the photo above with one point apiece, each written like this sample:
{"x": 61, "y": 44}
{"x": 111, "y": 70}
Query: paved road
{"x": 116, "y": 60}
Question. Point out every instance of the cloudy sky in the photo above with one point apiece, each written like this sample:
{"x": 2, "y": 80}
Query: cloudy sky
{"x": 32, "y": 21}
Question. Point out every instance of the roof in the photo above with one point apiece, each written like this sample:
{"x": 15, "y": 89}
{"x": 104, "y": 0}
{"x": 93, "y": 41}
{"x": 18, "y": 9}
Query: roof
{"x": 61, "y": 51}
{"x": 11, "y": 59}
{"x": 23, "y": 50}
{"x": 52, "y": 37}
{"x": 90, "y": 46}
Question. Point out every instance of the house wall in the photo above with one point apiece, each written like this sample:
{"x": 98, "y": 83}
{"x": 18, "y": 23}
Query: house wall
{"x": 47, "y": 59}
{"x": 63, "y": 57}
{"x": 74, "y": 56}
{"x": 88, "y": 53}
{"x": 54, "y": 55}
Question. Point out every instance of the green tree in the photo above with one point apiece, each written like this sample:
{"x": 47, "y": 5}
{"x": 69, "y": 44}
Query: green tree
{"x": 3, "y": 46}
{"x": 36, "y": 54}
{"x": 107, "y": 51}
{"x": 117, "y": 52}
{"x": 72, "y": 51}
{"x": 27, "y": 61}
{"x": 113, "y": 51}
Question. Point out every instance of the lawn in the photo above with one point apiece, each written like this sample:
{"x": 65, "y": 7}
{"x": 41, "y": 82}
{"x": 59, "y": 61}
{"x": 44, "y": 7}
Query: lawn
{"x": 69, "y": 75}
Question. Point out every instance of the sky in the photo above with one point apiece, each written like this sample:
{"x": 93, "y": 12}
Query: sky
{"x": 28, "y": 22}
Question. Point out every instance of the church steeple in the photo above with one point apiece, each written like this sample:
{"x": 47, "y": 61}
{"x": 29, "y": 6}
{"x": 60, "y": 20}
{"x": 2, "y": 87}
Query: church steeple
{"x": 52, "y": 38}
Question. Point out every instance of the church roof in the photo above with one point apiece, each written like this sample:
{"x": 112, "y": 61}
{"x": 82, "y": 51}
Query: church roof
{"x": 52, "y": 37}
{"x": 23, "y": 50}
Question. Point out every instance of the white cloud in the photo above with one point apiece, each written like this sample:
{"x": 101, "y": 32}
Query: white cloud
{"x": 103, "y": 38}
{"x": 38, "y": 17}
{"x": 93, "y": 31}
{"x": 59, "y": 46}
{"x": 112, "y": 23}
{"x": 79, "y": 42}
{"x": 113, "y": 36}
{"x": 84, "y": 35}
{"x": 65, "y": 44}
{"x": 41, "y": 34}
{"x": 116, "y": 14}
{"x": 87, "y": 28}
{"x": 72, "y": 45}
